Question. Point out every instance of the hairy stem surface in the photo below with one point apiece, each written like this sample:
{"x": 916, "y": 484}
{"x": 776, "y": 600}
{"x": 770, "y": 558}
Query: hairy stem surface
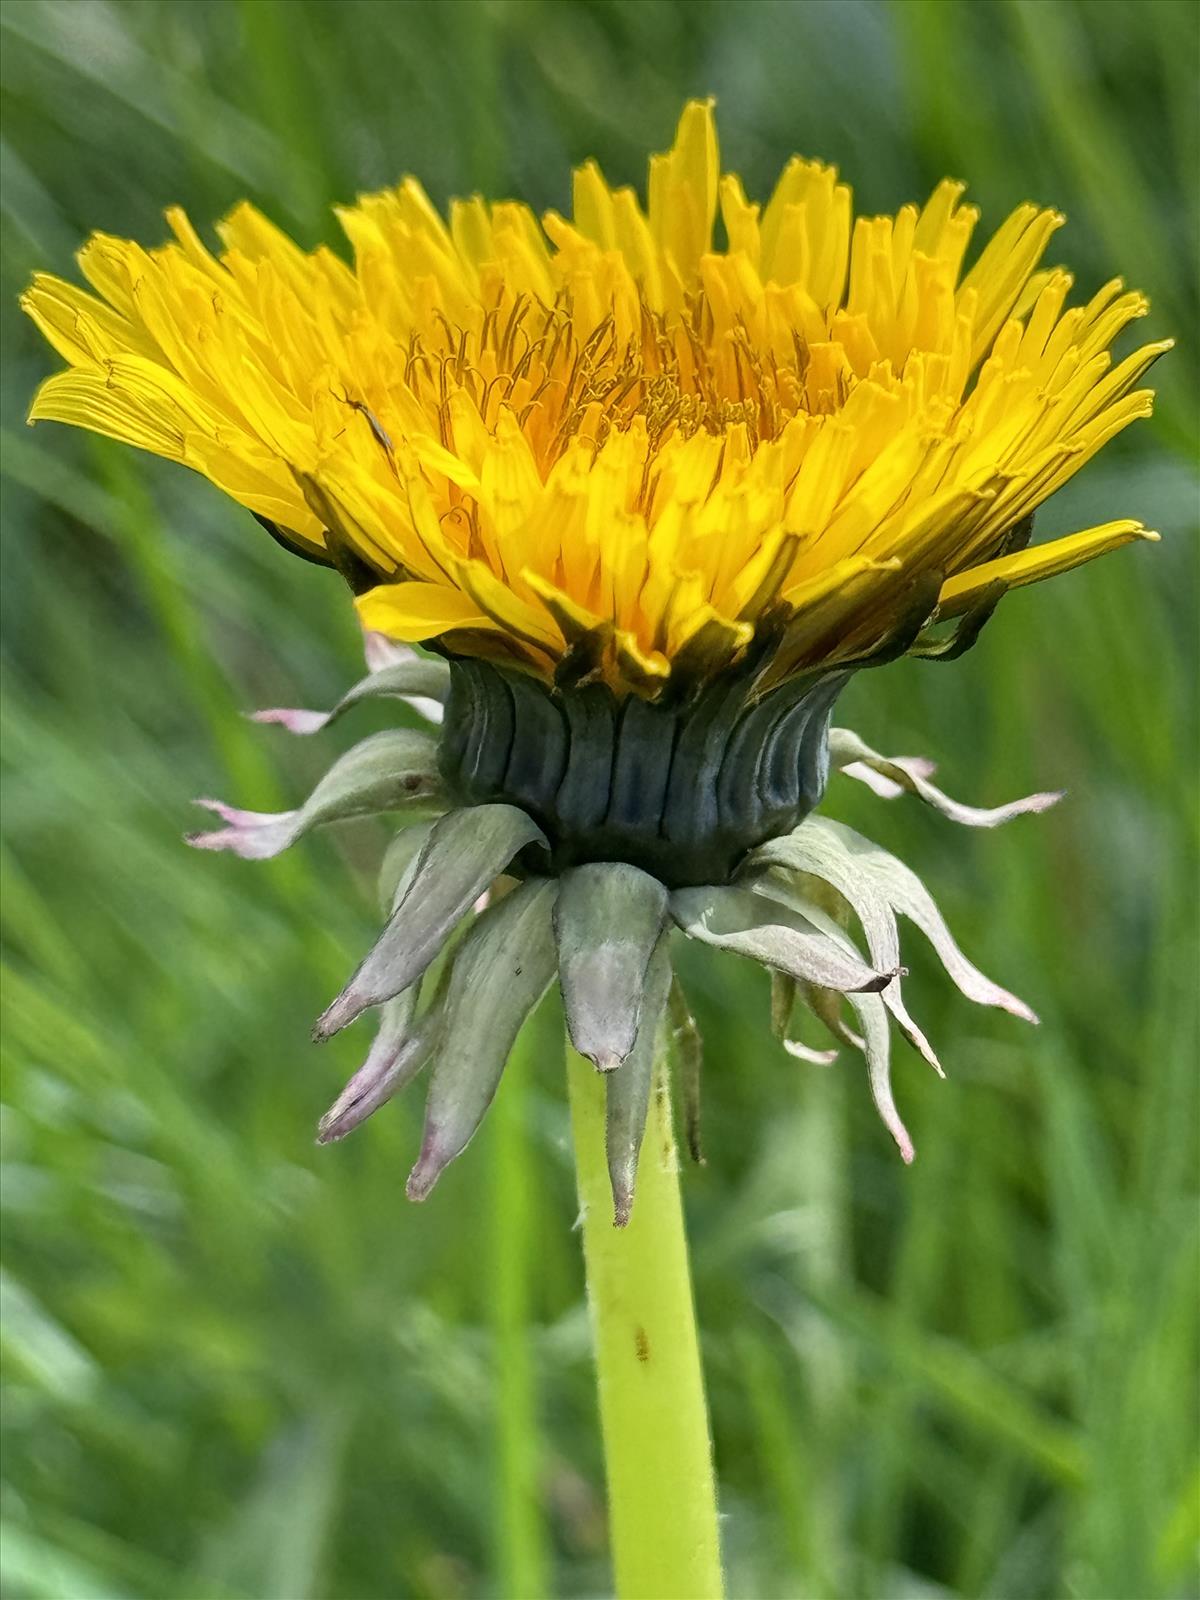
{"x": 658, "y": 1453}
{"x": 521, "y": 1556}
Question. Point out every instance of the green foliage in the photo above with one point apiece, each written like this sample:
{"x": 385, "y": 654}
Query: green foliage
{"x": 241, "y": 1368}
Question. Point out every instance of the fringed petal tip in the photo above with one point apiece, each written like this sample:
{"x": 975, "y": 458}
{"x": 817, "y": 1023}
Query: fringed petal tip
{"x": 428, "y": 1169}
{"x": 235, "y": 817}
{"x": 304, "y": 723}
{"x": 252, "y": 835}
{"x": 421, "y": 683}
{"x": 293, "y": 719}
{"x": 339, "y": 1014}
{"x": 398, "y": 1052}
{"x": 329, "y": 1129}
{"x": 390, "y": 771}
{"x": 348, "y": 1112}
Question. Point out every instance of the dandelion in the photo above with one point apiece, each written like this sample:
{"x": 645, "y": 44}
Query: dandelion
{"x": 648, "y": 485}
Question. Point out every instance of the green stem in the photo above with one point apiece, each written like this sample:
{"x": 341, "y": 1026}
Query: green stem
{"x": 661, "y": 1493}
{"x": 520, "y": 1546}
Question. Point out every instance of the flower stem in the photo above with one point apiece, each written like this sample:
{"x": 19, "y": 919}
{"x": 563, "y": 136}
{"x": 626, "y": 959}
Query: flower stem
{"x": 661, "y": 1491}
{"x": 521, "y": 1559}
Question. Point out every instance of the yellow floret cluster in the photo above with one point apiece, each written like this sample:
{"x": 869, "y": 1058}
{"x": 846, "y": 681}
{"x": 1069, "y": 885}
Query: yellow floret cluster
{"x": 526, "y": 435}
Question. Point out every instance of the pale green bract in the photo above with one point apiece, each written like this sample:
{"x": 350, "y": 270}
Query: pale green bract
{"x": 475, "y": 936}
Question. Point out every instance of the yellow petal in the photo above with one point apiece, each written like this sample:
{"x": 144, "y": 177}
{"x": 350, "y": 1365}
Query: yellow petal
{"x": 683, "y": 189}
{"x": 81, "y": 328}
{"x": 514, "y": 616}
{"x": 602, "y": 439}
{"x": 84, "y": 399}
{"x": 959, "y": 593}
{"x": 825, "y": 608}
{"x": 412, "y": 612}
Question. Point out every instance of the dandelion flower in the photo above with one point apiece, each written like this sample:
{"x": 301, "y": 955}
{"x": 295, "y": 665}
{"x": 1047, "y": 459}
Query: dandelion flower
{"x": 648, "y": 484}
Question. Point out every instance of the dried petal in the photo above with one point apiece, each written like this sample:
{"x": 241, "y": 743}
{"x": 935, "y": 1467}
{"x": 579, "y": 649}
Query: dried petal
{"x": 386, "y": 772}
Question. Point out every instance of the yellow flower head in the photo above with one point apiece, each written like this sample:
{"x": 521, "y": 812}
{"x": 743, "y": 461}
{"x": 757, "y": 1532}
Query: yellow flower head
{"x": 614, "y": 447}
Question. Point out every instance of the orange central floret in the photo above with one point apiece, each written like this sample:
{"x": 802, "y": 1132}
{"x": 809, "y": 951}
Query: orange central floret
{"x": 520, "y": 437}
{"x": 672, "y": 373}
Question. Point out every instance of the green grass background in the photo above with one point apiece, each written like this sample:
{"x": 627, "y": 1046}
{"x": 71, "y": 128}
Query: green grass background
{"x": 240, "y": 1368}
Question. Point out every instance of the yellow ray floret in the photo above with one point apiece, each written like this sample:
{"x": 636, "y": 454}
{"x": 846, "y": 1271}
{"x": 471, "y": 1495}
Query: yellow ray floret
{"x": 520, "y": 436}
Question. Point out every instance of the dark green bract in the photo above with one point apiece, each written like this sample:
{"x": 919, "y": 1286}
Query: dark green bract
{"x": 681, "y": 790}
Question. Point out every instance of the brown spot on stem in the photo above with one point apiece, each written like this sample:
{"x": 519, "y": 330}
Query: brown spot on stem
{"x": 641, "y": 1344}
